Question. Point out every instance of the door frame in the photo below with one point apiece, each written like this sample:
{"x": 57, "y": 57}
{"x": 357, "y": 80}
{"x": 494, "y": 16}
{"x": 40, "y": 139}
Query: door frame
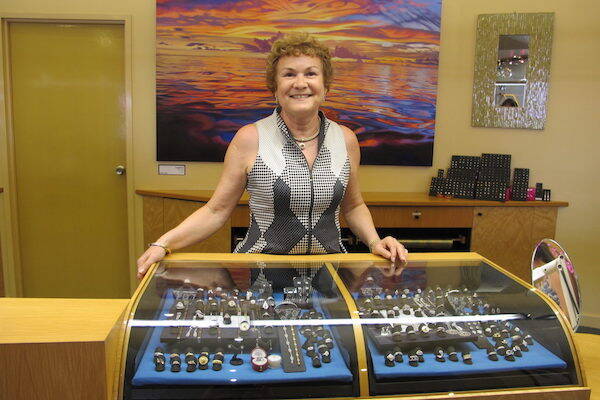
{"x": 9, "y": 229}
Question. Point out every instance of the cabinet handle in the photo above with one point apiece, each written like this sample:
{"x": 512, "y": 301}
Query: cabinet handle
{"x": 480, "y": 214}
{"x": 416, "y": 214}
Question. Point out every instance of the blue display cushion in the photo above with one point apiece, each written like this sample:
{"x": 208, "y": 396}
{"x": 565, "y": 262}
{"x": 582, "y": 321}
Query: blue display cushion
{"x": 538, "y": 357}
{"x": 336, "y": 370}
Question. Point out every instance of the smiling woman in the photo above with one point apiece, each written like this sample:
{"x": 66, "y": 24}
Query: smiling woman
{"x": 299, "y": 167}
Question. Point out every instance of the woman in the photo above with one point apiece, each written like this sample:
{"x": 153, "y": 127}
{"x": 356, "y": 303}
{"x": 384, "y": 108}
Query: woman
{"x": 298, "y": 166}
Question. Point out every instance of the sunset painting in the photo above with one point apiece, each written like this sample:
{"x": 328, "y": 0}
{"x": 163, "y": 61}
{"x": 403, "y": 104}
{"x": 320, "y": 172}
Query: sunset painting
{"x": 210, "y": 72}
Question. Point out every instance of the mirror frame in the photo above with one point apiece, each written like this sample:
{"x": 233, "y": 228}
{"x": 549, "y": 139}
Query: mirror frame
{"x": 532, "y": 115}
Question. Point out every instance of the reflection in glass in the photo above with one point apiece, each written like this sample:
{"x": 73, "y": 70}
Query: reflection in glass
{"x": 553, "y": 273}
{"x": 427, "y": 323}
{"x": 230, "y": 330}
{"x": 511, "y": 75}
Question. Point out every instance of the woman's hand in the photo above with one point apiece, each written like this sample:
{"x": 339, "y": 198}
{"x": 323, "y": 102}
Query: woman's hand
{"x": 152, "y": 255}
{"x": 389, "y": 248}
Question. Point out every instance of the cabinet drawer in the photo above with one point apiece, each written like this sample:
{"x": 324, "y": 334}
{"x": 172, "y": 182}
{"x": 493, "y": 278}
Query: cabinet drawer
{"x": 421, "y": 217}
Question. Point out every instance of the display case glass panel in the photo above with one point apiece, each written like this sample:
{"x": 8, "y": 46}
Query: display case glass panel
{"x": 450, "y": 326}
{"x": 337, "y": 327}
{"x": 223, "y": 330}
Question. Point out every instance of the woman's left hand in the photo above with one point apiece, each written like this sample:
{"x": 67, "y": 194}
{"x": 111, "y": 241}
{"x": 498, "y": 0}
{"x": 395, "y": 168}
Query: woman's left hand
{"x": 391, "y": 249}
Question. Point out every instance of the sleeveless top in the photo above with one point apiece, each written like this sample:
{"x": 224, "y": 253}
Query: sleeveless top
{"x": 293, "y": 209}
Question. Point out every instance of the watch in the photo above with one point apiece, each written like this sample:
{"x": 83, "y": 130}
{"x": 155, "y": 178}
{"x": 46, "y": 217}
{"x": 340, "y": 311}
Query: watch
{"x": 244, "y": 325}
{"x": 167, "y": 250}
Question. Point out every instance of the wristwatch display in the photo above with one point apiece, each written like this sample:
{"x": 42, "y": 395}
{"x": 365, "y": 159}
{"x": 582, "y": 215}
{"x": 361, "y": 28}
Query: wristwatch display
{"x": 340, "y": 329}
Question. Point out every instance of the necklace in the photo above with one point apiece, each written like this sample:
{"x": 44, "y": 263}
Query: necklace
{"x": 302, "y": 141}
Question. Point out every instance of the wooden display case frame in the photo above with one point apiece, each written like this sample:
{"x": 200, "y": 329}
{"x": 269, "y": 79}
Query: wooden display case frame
{"x": 567, "y": 392}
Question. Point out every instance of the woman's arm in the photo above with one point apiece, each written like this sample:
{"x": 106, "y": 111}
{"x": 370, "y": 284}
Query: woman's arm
{"x": 212, "y": 216}
{"x": 357, "y": 214}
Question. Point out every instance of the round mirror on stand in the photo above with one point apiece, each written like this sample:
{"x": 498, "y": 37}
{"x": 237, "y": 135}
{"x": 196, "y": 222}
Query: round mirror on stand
{"x": 553, "y": 273}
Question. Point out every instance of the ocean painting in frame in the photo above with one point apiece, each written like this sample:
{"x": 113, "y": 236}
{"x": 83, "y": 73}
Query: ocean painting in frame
{"x": 211, "y": 72}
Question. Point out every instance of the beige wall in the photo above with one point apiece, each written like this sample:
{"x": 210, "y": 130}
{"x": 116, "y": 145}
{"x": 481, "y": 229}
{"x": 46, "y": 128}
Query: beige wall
{"x": 562, "y": 156}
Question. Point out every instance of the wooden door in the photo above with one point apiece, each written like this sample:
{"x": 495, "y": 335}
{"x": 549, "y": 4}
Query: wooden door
{"x": 67, "y": 89}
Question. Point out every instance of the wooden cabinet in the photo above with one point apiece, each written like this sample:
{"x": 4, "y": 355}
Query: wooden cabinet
{"x": 505, "y": 233}
{"x": 163, "y": 214}
{"x": 421, "y": 217}
{"x": 508, "y": 235}
{"x": 64, "y": 349}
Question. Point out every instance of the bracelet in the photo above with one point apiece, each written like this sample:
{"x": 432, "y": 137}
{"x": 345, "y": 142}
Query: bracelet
{"x": 371, "y": 243}
{"x": 167, "y": 250}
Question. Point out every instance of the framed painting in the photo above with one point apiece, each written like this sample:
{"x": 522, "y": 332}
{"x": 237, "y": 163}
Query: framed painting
{"x": 210, "y": 77}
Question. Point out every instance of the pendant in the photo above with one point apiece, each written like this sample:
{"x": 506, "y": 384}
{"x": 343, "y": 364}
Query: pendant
{"x": 301, "y": 145}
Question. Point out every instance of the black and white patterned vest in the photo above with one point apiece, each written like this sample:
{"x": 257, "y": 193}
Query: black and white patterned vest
{"x": 294, "y": 210}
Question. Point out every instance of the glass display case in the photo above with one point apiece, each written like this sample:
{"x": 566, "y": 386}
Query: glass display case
{"x": 354, "y": 326}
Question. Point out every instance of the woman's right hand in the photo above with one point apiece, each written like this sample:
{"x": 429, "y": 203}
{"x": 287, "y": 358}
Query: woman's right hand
{"x": 152, "y": 255}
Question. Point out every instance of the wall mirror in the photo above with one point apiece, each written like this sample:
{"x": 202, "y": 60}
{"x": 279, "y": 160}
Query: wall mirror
{"x": 512, "y": 65}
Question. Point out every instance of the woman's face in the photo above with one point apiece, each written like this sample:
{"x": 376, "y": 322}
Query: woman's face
{"x": 300, "y": 88}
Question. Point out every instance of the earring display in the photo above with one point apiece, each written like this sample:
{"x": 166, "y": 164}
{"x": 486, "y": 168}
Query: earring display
{"x": 352, "y": 328}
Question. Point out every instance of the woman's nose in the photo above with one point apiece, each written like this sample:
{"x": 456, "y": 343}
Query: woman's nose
{"x": 300, "y": 81}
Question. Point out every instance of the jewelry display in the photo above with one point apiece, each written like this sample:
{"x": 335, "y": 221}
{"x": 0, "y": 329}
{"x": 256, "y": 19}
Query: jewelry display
{"x": 191, "y": 360}
{"x": 217, "y": 362}
{"x": 517, "y": 351}
{"x": 235, "y": 360}
{"x": 292, "y": 361}
{"x": 175, "y": 362}
{"x": 509, "y": 355}
{"x": 413, "y": 360}
{"x": 227, "y": 317}
{"x": 466, "y": 356}
{"x": 204, "y": 359}
{"x": 389, "y": 360}
{"x": 159, "y": 359}
{"x": 316, "y": 362}
{"x": 452, "y": 356}
{"x": 398, "y": 356}
{"x": 439, "y": 354}
{"x": 492, "y": 354}
{"x": 274, "y": 361}
{"x": 492, "y": 336}
{"x": 259, "y": 364}
{"x": 258, "y": 352}
{"x": 280, "y": 331}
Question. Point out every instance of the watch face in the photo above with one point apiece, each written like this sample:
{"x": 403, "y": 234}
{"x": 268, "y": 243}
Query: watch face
{"x": 244, "y": 326}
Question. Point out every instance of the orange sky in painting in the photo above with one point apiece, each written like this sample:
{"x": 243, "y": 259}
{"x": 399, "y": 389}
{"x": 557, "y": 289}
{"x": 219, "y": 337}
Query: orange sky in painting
{"x": 363, "y": 27}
